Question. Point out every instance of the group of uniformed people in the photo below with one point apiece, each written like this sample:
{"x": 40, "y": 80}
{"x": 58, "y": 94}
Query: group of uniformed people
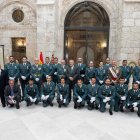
{"x": 96, "y": 87}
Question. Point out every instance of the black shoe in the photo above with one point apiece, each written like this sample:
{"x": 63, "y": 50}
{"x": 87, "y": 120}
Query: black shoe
{"x": 51, "y": 104}
{"x": 17, "y": 107}
{"x": 110, "y": 112}
{"x": 75, "y": 107}
{"x": 121, "y": 109}
{"x": 90, "y": 107}
{"x": 138, "y": 114}
{"x": 45, "y": 104}
{"x": 96, "y": 107}
{"x": 132, "y": 109}
{"x": 3, "y": 105}
{"x": 59, "y": 105}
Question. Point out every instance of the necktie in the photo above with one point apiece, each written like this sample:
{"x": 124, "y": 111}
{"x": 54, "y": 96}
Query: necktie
{"x": 12, "y": 93}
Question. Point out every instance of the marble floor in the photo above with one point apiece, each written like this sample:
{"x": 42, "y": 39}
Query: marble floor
{"x": 53, "y": 123}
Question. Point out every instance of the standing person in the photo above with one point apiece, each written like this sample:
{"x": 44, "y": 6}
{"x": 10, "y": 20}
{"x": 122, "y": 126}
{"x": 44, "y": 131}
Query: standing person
{"x": 24, "y": 70}
{"x": 107, "y": 95}
{"x": 133, "y": 98}
{"x": 47, "y": 69}
{"x": 107, "y": 64}
{"x": 3, "y": 77}
{"x": 101, "y": 74}
{"x": 72, "y": 73}
{"x": 114, "y": 72}
{"x": 125, "y": 71}
{"x": 13, "y": 94}
{"x": 12, "y": 69}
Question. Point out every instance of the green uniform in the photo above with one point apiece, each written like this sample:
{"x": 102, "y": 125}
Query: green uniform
{"x": 120, "y": 98}
{"x": 101, "y": 74}
{"x": 36, "y": 74}
{"x": 126, "y": 73}
{"x": 31, "y": 93}
{"x": 136, "y": 74}
{"x": 24, "y": 70}
{"x": 104, "y": 93}
{"x": 48, "y": 93}
{"x": 47, "y": 70}
{"x": 80, "y": 95}
{"x": 93, "y": 99}
{"x": 133, "y": 100}
{"x": 63, "y": 94}
{"x": 12, "y": 71}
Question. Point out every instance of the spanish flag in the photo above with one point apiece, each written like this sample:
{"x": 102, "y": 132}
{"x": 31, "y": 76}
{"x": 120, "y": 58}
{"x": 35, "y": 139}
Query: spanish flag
{"x": 41, "y": 58}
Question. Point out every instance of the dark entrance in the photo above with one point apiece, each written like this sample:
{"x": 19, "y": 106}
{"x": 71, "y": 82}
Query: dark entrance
{"x": 87, "y": 33}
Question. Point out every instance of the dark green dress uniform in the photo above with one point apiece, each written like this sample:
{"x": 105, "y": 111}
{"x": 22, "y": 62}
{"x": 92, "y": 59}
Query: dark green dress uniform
{"x": 136, "y": 74}
{"x": 31, "y": 92}
{"x": 12, "y": 71}
{"x": 79, "y": 95}
{"x": 120, "y": 98}
{"x": 47, "y": 70}
{"x": 15, "y": 92}
{"x": 106, "y": 66}
{"x": 61, "y": 71}
{"x": 55, "y": 72}
{"x": 48, "y": 93}
{"x": 126, "y": 73}
{"x": 101, "y": 75}
{"x": 24, "y": 70}
{"x": 36, "y": 75}
{"x": 109, "y": 92}
{"x": 90, "y": 73}
{"x": 92, "y": 99}
{"x": 63, "y": 94}
{"x": 133, "y": 100}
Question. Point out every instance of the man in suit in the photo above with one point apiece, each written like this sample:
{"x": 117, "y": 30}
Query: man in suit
{"x": 107, "y": 95}
{"x": 90, "y": 72}
{"x": 13, "y": 94}
{"x": 133, "y": 98}
{"x": 107, "y": 65}
{"x": 24, "y": 70}
{"x": 48, "y": 92}
{"x": 72, "y": 73}
{"x": 12, "y": 69}
{"x": 92, "y": 92}
{"x": 80, "y": 94}
{"x": 47, "y": 69}
{"x": 31, "y": 93}
{"x": 125, "y": 71}
{"x": 63, "y": 93}
{"x": 3, "y": 77}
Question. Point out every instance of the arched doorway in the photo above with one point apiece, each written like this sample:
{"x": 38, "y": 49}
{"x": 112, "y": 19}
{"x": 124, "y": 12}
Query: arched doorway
{"x": 87, "y": 33}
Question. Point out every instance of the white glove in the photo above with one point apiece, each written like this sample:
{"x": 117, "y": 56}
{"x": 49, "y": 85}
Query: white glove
{"x": 92, "y": 99}
{"x": 107, "y": 98}
{"x": 138, "y": 82}
{"x": 101, "y": 82}
{"x": 31, "y": 99}
{"x": 43, "y": 97}
{"x": 135, "y": 104}
{"x": 125, "y": 80}
{"x": 55, "y": 73}
{"x": 64, "y": 101}
{"x": 23, "y": 77}
{"x": 12, "y": 78}
{"x": 46, "y": 97}
{"x": 61, "y": 97}
{"x": 34, "y": 100}
{"x": 104, "y": 100}
{"x": 82, "y": 75}
{"x": 47, "y": 76}
{"x": 123, "y": 98}
{"x": 79, "y": 99}
{"x": 37, "y": 79}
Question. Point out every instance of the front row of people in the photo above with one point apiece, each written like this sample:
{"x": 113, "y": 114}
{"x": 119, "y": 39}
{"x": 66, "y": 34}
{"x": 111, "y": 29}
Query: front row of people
{"x": 117, "y": 97}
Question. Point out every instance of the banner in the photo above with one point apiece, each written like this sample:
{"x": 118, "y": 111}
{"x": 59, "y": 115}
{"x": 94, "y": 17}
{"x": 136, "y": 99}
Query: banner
{"x": 2, "y": 56}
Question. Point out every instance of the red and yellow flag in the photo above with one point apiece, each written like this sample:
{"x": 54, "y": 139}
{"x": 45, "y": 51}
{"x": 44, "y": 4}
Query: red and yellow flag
{"x": 41, "y": 61}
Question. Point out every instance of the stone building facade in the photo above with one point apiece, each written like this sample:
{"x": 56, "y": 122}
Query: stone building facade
{"x": 43, "y": 26}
